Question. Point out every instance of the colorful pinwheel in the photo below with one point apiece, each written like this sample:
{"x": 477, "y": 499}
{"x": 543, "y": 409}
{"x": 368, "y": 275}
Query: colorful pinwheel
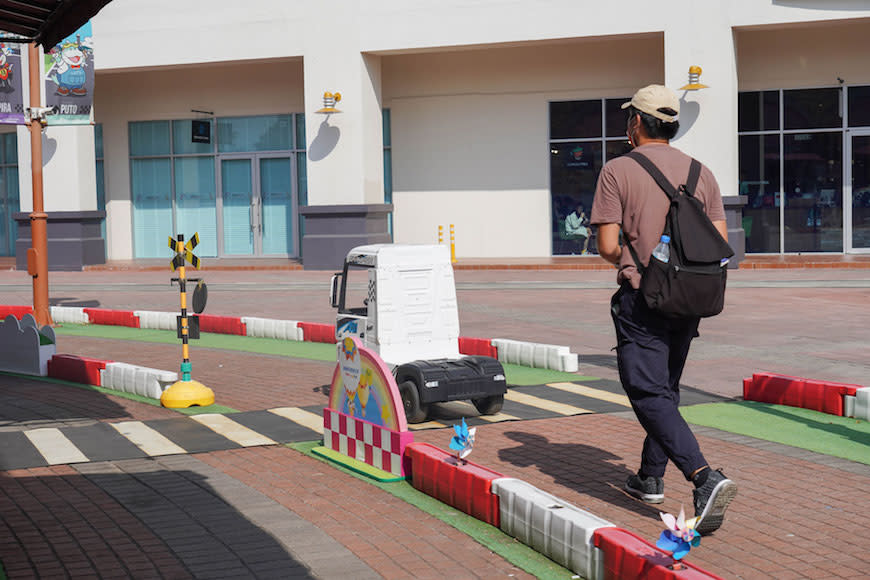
{"x": 463, "y": 441}
{"x": 680, "y": 537}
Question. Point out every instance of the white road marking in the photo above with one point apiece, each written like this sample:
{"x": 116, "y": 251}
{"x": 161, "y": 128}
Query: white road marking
{"x": 592, "y": 393}
{"x": 304, "y": 418}
{"x": 147, "y": 439}
{"x": 540, "y": 403}
{"x": 55, "y": 447}
{"x": 226, "y": 427}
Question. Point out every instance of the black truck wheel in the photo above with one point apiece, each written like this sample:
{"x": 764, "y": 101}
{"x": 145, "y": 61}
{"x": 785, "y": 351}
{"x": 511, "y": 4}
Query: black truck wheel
{"x": 489, "y": 405}
{"x": 414, "y": 411}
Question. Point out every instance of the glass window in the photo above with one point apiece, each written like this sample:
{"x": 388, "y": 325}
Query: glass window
{"x": 616, "y": 149}
{"x": 759, "y": 181}
{"x": 152, "y": 206}
{"x": 195, "y": 205}
{"x": 758, "y": 111}
{"x": 574, "y": 168}
{"x": 812, "y": 108}
{"x": 300, "y": 131}
{"x": 575, "y": 119}
{"x": 813, "y": 169}
{"x": 267, "y": 133}
{"x": 615, "y": 117}
{"x": 149, "y": 138}
{"x": 859, "y": 106}
{"x": 182, "y": 140}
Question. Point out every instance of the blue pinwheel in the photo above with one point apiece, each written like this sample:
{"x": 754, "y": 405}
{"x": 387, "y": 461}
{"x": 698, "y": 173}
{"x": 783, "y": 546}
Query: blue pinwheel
{"x": 680, "y": 537}
{"x": 463, "y": 441}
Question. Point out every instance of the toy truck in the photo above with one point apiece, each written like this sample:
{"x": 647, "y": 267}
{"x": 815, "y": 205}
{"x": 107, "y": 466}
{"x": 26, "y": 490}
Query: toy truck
{"x": 400, "y": 300}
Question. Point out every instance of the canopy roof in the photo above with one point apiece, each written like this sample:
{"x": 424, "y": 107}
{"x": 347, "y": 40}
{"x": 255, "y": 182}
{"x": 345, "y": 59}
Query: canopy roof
{"x": 46, "y": 22}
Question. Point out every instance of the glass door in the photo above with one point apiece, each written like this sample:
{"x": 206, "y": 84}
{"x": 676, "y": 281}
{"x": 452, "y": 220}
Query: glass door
{"x": 858, "y": 181}
{"x": 237, "y": 206}
{"x": 258, "y": 207}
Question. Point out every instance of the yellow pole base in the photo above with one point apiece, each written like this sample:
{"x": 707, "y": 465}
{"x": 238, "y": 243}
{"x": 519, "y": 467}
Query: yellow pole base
{"x": 182, "y": 394}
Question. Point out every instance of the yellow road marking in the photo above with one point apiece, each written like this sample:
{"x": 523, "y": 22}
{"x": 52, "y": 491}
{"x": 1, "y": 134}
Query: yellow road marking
{"x": 592, "y": 393}
{"x": 426, "y": 425}
{"x": 498, "y": 417}
{"x": 540, "y": 403}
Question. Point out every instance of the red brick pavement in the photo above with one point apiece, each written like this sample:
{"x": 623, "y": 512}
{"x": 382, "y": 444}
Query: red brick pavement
{"x": 243, "y": 381}
{"x": 57, "y": 524}
{"x": 25, "y": 401}
{"x": 391, "y": 536}
{"x": 792, "y": 518}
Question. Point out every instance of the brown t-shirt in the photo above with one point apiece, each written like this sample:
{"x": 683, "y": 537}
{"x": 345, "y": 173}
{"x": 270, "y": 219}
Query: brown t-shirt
{"x": 627, "y": 195}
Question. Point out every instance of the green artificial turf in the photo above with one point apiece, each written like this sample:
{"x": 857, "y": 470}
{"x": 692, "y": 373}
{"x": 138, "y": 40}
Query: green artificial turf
{"x": 509, "y": 548}
{"x": 515, "y": 374}
{"x": 820, "y": 432}
{"x": 310, "y": 350}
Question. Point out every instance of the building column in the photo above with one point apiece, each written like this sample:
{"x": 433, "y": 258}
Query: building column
{"x": 69, "y": 197}
{"x": 708, "y": 117}
{"x": 345, "y": 150}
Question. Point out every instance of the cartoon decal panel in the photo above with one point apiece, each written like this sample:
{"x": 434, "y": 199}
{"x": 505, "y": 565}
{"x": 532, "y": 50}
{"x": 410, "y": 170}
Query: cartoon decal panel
{"x": 363, "y": 387}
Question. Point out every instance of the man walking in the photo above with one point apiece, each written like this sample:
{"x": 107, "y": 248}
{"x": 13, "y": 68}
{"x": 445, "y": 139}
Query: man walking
{"x": 651, "y": 349}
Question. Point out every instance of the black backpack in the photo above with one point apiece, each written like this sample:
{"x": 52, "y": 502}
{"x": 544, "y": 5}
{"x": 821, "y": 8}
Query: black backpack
{"x": 692, "y": 282}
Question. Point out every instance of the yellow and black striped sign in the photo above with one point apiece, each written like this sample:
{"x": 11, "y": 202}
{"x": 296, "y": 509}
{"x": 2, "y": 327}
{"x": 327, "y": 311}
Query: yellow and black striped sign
{"x": 184, "y": 251}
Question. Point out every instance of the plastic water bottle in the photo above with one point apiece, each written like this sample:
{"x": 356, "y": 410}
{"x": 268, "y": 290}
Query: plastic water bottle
{"x": 662, "y": 251}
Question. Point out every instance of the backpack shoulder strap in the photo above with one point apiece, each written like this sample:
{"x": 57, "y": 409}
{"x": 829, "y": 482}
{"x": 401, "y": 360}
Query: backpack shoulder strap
{"x": 694, "y": 176}
{"x": 654, "y": 172}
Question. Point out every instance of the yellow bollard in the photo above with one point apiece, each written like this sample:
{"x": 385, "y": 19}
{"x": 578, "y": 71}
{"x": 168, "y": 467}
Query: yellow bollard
{"x": 440, "y": 234}
{"x": 452, "y": 245}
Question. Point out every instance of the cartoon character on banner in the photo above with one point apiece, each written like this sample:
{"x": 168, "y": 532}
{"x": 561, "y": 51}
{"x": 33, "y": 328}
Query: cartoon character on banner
{"x": 350, "y": 363}
{"x": 68, "y": 69}
{"x": 6, "y": 69}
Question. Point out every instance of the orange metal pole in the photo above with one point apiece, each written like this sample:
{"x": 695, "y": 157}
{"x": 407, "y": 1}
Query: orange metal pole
{"x": 37, "y": 255}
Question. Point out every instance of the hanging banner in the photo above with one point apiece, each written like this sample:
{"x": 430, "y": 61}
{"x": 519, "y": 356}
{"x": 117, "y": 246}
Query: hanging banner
{"x": 69, "y": 78}
{"x": 11, "y": 94}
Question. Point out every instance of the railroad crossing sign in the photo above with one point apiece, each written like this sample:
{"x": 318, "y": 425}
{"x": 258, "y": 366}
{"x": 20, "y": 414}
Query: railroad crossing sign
{"x": 184, "y": 251}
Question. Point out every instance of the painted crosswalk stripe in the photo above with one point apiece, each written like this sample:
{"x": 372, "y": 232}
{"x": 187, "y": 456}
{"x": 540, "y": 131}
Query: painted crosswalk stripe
{"x": 304, "y": 418}
{"x": 498, "y": 417}
{"x": 425, "y": 425}
{"x": 592, "y": 393}
{"x": 147, "y": 439}
{"x": 226, "y": 427}
{"x": 55, "y": 447}
{"x": 540, "y": 403}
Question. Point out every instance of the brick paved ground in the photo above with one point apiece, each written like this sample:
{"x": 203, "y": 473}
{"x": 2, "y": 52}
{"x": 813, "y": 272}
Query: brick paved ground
{"x": 258, "y": 511}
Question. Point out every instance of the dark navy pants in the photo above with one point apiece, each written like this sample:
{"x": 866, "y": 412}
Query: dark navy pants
{"x": 651, "y": 353}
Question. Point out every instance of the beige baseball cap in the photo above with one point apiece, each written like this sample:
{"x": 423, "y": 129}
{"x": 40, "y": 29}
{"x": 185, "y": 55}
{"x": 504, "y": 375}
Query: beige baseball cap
{"x": 652, "y": 98}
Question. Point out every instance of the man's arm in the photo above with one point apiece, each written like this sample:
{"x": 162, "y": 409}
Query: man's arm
{"x": 608, "y": 243}
{"x": 722, "y": 226}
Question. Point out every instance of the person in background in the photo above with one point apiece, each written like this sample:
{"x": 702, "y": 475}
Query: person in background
{"x": 577, "y": 228}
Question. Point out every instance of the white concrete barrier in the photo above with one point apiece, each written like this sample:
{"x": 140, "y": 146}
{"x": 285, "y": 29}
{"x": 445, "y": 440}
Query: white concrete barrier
{"x": 862, "y": 403}
{"x": 69, "y": 315}
{"x": 532, "y": 354}
{"x": 271, "y": 328}
{"x": 551, "y": 526}
{"x": 157, "y": 320}
{"x": 138, "y": 380}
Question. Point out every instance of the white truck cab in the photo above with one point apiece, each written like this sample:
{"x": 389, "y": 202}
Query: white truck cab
{"x": 400, "y": 300}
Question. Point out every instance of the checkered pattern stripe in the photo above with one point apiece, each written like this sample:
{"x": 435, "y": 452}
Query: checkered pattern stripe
{"x": 364, "y": 441}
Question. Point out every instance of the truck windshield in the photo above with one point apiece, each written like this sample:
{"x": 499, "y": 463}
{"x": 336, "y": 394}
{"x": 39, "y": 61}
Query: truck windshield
{"x": 356, "y": 294}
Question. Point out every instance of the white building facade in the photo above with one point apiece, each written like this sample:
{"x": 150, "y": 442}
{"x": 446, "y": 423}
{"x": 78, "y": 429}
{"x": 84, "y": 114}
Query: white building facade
{"x": 491, "y": 115}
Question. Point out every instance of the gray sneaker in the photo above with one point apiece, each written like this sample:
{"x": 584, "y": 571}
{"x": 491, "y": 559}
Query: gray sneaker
{"x": 711, "y": 501}
{"x": 650, "y": 489}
